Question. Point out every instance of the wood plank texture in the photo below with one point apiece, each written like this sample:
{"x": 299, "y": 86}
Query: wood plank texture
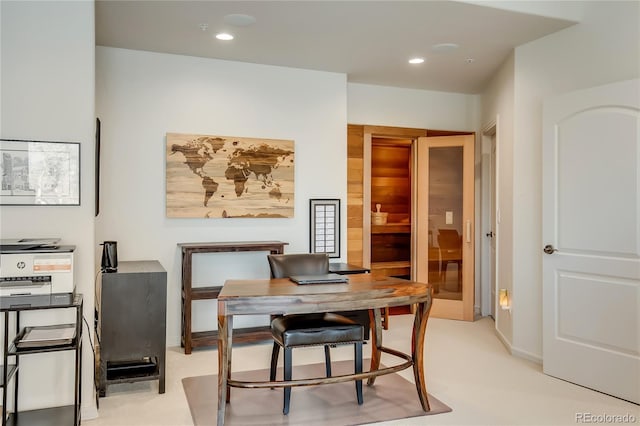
{"x": 397, "y": 132}
{"x": 391, "y": 188}
{"x": 282, "y": 296}
{"x": 355, "y": 190}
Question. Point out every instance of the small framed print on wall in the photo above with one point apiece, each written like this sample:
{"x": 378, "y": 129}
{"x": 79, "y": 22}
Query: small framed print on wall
{"x": 39, "y": 173}
{"x": 325, "y": 226}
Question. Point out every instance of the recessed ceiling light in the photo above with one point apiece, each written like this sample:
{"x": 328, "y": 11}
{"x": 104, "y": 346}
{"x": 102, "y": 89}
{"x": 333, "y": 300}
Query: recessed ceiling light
{"x": 444, "y": 47}
{"x": 416, "y": 60}
{"x": 239, "y": 19}
{"x": 224, "y": 36}
{"x": 469, "y": 60}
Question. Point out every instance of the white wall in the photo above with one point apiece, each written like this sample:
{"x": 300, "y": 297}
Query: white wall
{"x": 48, "y": 94}
{"x": 424, "y": 109}
{"x": 603, "y": 48}
{"x": 141, "y": 96}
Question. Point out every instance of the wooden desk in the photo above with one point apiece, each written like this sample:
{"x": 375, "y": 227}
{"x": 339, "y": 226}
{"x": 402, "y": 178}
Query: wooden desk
{"x": 348, "y": 269}
{"x": 281, "y": 296}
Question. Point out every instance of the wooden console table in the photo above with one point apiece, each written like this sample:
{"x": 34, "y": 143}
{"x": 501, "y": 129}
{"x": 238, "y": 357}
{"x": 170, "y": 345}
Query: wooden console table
{"x": 189, "y": 294}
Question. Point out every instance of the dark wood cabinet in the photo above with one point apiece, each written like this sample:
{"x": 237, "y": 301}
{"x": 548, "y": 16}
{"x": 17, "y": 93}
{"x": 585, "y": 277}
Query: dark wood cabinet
{"x": 131, "y": 306}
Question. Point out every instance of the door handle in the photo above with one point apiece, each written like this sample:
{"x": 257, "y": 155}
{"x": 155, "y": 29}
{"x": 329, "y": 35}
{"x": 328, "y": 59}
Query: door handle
{"x": 489, "y": 234}
{"x": 549, "y": 249}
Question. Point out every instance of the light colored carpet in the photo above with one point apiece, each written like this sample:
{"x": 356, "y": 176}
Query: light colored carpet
{"x": 392, "y": 397}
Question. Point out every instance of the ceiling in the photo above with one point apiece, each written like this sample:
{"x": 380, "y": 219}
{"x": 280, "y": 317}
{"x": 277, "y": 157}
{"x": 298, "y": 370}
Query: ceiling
{"x": 370, "y": 41}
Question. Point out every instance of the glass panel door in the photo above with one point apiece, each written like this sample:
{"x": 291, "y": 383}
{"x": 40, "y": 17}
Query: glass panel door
{"x": 445, "y": 221}
{"x": 445, "y": 213}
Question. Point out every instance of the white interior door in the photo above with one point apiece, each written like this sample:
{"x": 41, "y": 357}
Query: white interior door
{"x": 591, "y": 229}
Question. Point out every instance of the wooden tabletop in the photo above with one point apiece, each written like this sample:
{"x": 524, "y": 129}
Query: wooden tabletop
{"x": 282, "y": 296}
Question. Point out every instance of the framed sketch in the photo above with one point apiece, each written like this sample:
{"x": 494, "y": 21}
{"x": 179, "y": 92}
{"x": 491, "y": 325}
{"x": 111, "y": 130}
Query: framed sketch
{"x": 325, "y": 226}
{"x": 39, "y": 173}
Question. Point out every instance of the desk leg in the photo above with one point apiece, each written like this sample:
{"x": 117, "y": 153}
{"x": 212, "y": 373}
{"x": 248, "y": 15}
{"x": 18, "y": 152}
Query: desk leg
{"x": 225, "y": 330}
{"x": 376, "y": 342}
{"x": 417, "y": 351}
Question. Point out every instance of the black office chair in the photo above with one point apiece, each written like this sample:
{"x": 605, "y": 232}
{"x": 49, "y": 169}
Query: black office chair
{"x": 291, "y": 331}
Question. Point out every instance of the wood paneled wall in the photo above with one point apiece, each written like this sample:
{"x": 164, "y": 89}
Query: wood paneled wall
{"x": 391, "y": 179}
{"x": 355, "y": 182}
{"x": 355, "y": 192}
{"x": 391, "y": 188}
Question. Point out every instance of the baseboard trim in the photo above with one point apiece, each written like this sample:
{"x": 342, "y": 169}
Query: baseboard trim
{"x": 504, "y": 341}
{"x": 89, "y": 412}
{"x": 518, "y": 352}
{"x": 526, "y": 355}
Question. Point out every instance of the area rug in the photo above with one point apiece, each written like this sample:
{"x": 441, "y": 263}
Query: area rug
{"x": 391, "y": 398}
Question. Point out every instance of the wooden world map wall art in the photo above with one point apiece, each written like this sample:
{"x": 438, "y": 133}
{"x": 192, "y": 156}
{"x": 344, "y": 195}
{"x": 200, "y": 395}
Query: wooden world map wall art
{"x": 229, "y": 177}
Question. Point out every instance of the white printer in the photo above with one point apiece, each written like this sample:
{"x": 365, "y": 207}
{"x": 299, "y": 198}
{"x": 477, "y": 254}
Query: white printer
{"x": 32, "y": 266}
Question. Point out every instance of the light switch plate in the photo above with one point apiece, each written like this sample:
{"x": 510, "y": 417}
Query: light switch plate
{"x": 448, "y": 218}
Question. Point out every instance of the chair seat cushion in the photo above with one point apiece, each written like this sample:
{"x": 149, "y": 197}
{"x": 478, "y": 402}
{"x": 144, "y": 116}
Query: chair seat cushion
{"x": 315, "y": 329}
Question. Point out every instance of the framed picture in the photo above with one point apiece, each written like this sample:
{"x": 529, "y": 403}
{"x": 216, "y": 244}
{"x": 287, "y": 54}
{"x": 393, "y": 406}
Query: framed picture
{"x": 325, "y": 226}
{"x": 39, "y": 173}
{"x": 97, "y": 166}
{"x": 223, "y": 177}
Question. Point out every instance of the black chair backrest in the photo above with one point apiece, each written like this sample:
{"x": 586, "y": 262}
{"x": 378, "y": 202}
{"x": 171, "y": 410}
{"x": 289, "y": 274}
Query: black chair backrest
{"x": 286, "y": 265}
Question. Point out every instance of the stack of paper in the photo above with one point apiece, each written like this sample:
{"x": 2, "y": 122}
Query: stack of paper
{"x": 47, "y": 336}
